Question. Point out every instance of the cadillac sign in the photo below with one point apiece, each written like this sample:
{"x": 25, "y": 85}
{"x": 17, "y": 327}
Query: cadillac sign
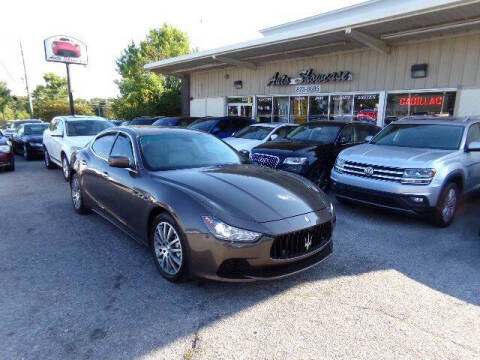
{"x": 308, "y": 77}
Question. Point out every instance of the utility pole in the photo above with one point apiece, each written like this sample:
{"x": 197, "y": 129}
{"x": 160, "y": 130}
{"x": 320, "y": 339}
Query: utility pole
{"x": 30, "y": 106}
{"x": 70, "y": 95}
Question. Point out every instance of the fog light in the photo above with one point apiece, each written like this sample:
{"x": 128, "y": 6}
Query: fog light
{"x": 417, "y": 199}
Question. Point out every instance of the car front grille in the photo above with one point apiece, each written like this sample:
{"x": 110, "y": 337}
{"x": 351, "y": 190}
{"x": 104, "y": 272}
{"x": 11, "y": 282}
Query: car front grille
{"x": 371, "y": 171}
{"x": 265, "y": 160}
{"x": 301, "y": 242}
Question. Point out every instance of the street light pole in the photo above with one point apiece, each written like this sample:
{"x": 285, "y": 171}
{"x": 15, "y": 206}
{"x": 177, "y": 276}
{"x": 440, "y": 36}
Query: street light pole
{"x": 70, "y": 95}
{"x": 30, "y": 106}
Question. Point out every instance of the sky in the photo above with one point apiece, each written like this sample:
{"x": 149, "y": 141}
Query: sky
{"x": 107, "y": 27}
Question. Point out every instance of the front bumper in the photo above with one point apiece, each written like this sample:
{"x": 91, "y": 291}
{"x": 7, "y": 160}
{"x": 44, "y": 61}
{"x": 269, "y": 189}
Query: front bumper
{"x": 35, "y": 150}
{"x": 386, "y": 194}
{"x": 218, "y": 260}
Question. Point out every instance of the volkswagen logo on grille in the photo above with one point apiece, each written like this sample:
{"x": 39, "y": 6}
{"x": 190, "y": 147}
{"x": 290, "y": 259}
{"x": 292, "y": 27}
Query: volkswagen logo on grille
{"x": 308, "y": 242}
{"x": 368, "y": 171}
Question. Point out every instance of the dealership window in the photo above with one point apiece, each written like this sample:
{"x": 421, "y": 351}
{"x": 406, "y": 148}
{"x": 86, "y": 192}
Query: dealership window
{"x": 317, "y": 108}
{"x": 366, "y": 104}
{"x": 419, "y": 103}
{"x": 280, "y": 109}
{"x": 298, "y": 109}
{"x": 341, "y": 105}
{"x": 240, "y": 106}
{"x": 264, "y": 109}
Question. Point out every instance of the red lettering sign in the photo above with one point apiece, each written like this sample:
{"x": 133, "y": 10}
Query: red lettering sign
{"x": 421, "y": 101}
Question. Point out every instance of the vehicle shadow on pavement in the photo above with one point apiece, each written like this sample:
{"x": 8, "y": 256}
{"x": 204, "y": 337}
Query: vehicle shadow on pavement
{"x": 76, "y": 287}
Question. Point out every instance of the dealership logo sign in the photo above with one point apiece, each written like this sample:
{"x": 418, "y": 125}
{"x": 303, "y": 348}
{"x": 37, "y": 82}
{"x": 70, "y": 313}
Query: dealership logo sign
{"x": 65, "y": 49}
{"x": 308, "y": 77}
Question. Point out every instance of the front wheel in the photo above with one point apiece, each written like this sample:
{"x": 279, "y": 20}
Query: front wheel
{"x": 76, "y": 194}
{"x": 11, "y": 167}
{"x": 66, "y": 168}
{"x": 48, "y": 162}
{"x": 320, "y": 176}
{"x": 26, "y": 154}
{"x": 168, "y": 248}
{"x": 447, "y": 205}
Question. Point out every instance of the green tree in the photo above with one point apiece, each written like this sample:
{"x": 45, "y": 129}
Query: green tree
{"x": 48, "y": 109}
{"x": 56, "y": 87}
{"x": 5, "y": 98}
{"x": 149, "y": 93}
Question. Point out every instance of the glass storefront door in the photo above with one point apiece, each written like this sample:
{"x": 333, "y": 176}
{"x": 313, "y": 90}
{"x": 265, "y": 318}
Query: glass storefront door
{"x": 318, "y": 108}
{"x": 341, "y": 105}
{"x": 264, "y": 109}
{"x": 280, "y": 109}
{"x": 240, "y": 106}
{"x": 298, "y": 109}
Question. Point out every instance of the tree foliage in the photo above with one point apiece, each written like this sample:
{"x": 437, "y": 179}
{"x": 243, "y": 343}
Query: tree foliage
{"x": 5, "y": 98}
{"x": 55, "y": 88}
{"x": 48, "y": 109}
{"x": 149, "y": 93}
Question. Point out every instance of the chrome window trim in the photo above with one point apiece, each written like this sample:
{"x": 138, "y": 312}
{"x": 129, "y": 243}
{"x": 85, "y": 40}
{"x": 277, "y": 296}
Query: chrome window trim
{"x": 116, "y": 133}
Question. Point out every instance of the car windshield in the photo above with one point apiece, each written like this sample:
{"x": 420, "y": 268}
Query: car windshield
{"x": 202, "y": 124}
{"x": 324, "y": 133}
{"x": 254, "y": 132}
{"x": 18, "y": 124}
{"x": 430, "y": 136}
{"x": 178, "y": 150}
{"x": 142, "y": 121}
{"x": 35, "y": 129}
{"x": 87, "y": 127}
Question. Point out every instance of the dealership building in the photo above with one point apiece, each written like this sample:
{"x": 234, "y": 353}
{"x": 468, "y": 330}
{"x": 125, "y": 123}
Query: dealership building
{"x": 382, "y": 58}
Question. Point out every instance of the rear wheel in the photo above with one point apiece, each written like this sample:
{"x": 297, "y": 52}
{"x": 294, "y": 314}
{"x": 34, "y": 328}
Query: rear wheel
{"x": 66, "y": 168}
{"x": 168, "y": 248}
{"x": 320, "y": 176}
{"x": 11, "y": 167}
{"x": 76, "y": 194}
{"x": 447, "y": 205}
{"x": 48, "y": 162}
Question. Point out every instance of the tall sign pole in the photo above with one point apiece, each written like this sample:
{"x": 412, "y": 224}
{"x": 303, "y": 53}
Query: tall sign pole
{"x": 70, "y": 95}
{"x": 30, "y": 106}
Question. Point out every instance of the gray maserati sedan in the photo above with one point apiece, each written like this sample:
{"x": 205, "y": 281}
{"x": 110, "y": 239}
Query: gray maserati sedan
{"x": 200, "y": 207}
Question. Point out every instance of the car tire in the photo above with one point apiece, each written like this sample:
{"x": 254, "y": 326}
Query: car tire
{"x": 48, "y": 162}
{"x": 320, "y": 176}
{"x": 26, "y": 154}
{"x": 447, "y": 206}
{"x": 77, "y": 197}
{"x": 169, "y": 255}
{"x": 11, "y": 167}
{"x": 66, "y": 171}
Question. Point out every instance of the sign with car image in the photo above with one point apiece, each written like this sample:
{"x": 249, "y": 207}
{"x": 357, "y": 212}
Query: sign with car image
{"x": 65, "y": 49}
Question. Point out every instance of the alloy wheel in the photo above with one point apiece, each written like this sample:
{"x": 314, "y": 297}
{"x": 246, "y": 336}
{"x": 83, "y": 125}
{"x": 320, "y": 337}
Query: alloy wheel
{"x": 47, "y": 158}
{"x": 66, "y": 170}
{"x": 76, "y": 195}
{"x": 450, "y": 205}
{"x": 168, "y": 248}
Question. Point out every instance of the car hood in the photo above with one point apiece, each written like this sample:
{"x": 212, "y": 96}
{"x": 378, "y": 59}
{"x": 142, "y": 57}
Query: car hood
{"x": 242, "y": 144}
{"x": 393, "y": 156}
{"x": 286, "y": 146}
{"x": 247, "y": 192}
{"x": 78, "y": 141}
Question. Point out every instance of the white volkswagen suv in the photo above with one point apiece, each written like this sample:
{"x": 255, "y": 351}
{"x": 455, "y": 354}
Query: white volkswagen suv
{"x": 67, "y": 134}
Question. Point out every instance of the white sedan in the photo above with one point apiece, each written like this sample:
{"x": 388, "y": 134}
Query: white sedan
{"x": 257, "y": 134}
{"x": 67, "y": 134}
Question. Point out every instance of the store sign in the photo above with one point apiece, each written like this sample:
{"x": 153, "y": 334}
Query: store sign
{"x": 421, "y": 101}
{"x": 65, "y": 49}
{"x": 308, "y": 89}
{"x": 309, "y": 77}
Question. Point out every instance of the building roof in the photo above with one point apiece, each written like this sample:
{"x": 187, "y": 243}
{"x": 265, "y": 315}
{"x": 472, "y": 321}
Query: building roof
{"x": 377, "y": 24}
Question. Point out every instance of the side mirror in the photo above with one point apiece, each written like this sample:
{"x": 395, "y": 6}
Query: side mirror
{"x": 474, "y": 146}
{"x": 273, "y": 137}
{"x": 122, "y": 162}
{"x": 245, "y": 154}
{"x": 368, "y": 138}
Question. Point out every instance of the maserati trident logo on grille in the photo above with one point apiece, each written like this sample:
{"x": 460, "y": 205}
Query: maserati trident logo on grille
{"x": 308, "y": 241}
{"x": 368, "y": 171}
{"x": 307, "y": 219}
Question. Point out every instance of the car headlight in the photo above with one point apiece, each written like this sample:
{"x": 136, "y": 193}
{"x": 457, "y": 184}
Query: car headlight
{"x": 229, "y": 233}
{"x": 295, "y": 160}
{"x": 418, "y": 176}
{"x": 339, "y": 164}
{"x": 5, "y": 148}
{"x": 34, "y": 144}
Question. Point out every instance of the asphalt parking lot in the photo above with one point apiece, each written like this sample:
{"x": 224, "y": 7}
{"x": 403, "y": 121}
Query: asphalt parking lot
{"x": 75, "y": 287}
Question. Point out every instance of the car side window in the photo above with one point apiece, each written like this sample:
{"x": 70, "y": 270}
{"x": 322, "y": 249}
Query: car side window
{"x": 474, "y": 134}
{"x": 283, "y": 131}
{"x": 20, "y": 131}
{"x": 53, "y": 125}
{"x": 102, "y": 145}
{"x": 363, "y": 131}
{"x": 59, "y": 128}
{"x": 123, "y": 147}
{"x": 347, "y": 135}
{"x": 224, "y": 125}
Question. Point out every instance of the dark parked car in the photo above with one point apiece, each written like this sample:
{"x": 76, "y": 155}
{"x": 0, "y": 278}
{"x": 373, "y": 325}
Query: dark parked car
{"x": 182, "y": 121}
{"x": 143, "y": 120}
{"x": 7, "y": 160}
{"x": 10, "y": 130}
{"x": 221, "y": 127}
{"x": 28, "y": 140}
{"x": 201, "y": 210}
{"x": 117, "y": 122}
{"x": 311, "y": 149}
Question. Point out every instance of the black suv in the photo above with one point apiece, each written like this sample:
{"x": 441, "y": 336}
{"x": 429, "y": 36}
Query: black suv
{"x": 311, "y": 149}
